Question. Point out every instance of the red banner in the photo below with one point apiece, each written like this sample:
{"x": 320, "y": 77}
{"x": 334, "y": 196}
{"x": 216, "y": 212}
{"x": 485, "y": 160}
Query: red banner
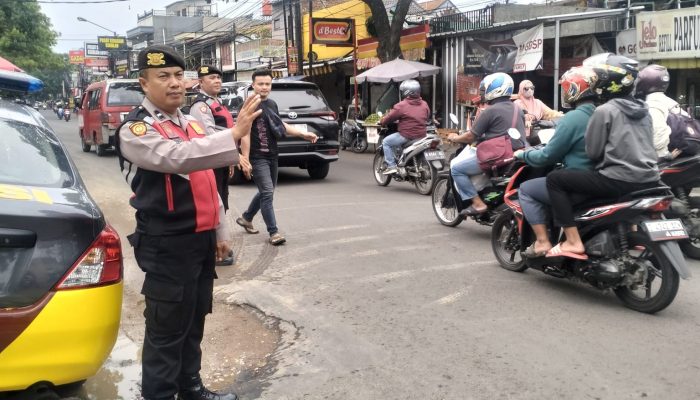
{"x": 76, "y": 56}
{"x": 96, "y": 62}
{"x": 332, "y": 31}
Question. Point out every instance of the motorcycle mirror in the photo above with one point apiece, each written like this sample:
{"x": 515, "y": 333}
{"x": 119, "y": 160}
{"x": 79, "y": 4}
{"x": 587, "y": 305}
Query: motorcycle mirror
{"x": 454, "y": 119}
{"x": 514, "y": 133}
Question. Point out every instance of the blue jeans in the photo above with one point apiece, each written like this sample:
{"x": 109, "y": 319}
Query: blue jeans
{"x": 535, "y": 201}
{"x": 265, "y": 177}
{"x": 395, "y": 140}
{"x": 465, "y": 165}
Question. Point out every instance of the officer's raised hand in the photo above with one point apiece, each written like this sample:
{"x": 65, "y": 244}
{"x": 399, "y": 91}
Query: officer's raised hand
{"x": 249, "y": 111}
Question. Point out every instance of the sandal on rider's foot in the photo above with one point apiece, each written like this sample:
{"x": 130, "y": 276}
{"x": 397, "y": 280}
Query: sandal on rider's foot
{"x": 247, "y": 225}
{"x": 531, "y": 253}
{"x": 556, "y": 251}
{"x": 471, "y": 211}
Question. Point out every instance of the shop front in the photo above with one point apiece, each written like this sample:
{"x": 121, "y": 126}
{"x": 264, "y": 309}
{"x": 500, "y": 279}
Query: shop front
{"x": 672, "y": 39}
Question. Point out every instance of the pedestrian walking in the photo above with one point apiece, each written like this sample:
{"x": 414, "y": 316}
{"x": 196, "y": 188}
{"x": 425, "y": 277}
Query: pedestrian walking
{"x": 167, "y": 160}
{"x": 267, "y": 129}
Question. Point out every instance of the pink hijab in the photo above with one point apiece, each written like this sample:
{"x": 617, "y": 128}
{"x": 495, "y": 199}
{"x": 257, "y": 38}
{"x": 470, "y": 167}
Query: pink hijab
{"x": 532, "y": 105}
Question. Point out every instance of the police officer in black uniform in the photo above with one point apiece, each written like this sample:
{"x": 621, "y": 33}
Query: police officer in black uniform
{"x": 167, "y": 160}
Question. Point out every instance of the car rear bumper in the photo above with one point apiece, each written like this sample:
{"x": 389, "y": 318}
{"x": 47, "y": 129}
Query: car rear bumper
{"x": 67, "y": 341}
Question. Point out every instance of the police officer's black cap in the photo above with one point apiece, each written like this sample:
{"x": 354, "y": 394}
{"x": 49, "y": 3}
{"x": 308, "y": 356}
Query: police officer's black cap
{"x": 160, "y": 56}
{"x": 205, "y": 70}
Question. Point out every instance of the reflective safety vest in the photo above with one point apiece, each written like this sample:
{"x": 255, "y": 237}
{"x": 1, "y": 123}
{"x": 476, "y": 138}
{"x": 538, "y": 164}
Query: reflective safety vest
{"x": 222, "y": 116}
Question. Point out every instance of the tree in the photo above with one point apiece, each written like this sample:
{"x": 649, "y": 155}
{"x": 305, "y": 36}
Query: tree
{"x": 26, "y": 38}
{"x": 389, "y": 48}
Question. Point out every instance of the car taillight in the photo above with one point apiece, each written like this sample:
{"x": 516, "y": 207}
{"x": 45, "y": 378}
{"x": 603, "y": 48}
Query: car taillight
{"x": 100, "y": 264}
{"x": 105, "y": 118}
{"x": 329, "y": 116}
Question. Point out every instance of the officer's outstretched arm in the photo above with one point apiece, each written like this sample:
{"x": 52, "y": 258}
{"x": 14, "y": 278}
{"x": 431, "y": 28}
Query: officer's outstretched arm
{"x": 249, "y": 111}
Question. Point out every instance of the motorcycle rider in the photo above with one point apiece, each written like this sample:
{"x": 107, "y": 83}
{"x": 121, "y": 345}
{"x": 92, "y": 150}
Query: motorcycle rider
{"x": 494, "y": 121}
{"x": 413, "y": 115}
{"x": 652, "y": 82}
{"x": 619, "y": 140}
{"x": 567, "y": 146}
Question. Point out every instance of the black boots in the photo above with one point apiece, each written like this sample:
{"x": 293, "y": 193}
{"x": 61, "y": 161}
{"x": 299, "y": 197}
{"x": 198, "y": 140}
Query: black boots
{"x": 198, "y": 392}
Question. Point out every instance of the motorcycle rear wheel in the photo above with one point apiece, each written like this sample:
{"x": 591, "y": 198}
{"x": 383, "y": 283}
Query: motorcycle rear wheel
{"x": 505, "y": 241}
{"x": 691, "y": 248}
{"x": 660, "y": 269}
{"x": 424, "y": 185}
{"x": 444, "y": 204}
{"x": 359, "y": 145}
{"x": 378, "y": 170}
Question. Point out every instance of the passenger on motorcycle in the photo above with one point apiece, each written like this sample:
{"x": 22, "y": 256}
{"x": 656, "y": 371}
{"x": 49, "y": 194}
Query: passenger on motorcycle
{"x": 652, "y": 82}
{"x": 619, "y": 140}
{"x": 534, "y": 108}
{"x": 494, "y": 121}
{"x": 413, "y": 115}
{"x": 567, "y": 146}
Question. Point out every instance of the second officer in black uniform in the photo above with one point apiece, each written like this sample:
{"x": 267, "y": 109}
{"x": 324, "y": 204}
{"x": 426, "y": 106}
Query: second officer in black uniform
{"x": 167, "y": 160}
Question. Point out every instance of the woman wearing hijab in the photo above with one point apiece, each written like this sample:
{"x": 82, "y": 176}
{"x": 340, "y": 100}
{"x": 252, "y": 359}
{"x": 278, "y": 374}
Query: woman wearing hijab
{"x": 535, "y": 109}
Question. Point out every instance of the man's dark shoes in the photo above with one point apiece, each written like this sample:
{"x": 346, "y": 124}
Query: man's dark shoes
{"x": 472, "y": 212}
{"x": 200, "y": 392}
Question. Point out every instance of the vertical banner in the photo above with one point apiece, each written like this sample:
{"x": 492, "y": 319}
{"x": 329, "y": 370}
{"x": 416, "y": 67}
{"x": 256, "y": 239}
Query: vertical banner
{"x": 530, "y": 49}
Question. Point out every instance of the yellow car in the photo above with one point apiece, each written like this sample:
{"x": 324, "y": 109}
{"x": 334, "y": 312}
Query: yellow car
{"x": 60, "y": 263}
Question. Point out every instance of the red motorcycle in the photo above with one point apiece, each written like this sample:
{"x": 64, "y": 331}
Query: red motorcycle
{"x": 682, "y": 175}
{"x": 631, "y": 247}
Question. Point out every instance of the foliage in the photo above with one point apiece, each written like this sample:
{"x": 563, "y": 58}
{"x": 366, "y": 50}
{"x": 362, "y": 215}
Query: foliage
{"x": 26, "y": 39}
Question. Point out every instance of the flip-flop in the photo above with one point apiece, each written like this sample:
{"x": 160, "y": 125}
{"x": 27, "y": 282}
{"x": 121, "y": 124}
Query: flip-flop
{"x": 556, "y": 251}
{"x": 247, "y": 225}
{"x": 531, "y": 253}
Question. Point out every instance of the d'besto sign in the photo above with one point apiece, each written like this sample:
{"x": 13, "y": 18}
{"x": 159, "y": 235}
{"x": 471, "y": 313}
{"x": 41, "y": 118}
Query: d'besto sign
{"x": 332, "y": 31}
{"x": 668, "y": 34}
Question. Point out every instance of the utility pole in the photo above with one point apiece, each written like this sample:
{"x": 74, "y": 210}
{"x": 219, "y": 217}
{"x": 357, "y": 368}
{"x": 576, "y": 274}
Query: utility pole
{"x": 286, "y": 37}
{"x": 311, "y": 35}
{"x": 299, "y": 43}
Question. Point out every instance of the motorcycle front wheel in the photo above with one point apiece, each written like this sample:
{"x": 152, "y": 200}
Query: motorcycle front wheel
{"x": 359, "y": 144}
{"x": 425, "y": 182}
{"x": 662, "y": 281}
{"x": 378, "y": 169}
{"x": 445, "y": 204}
{"x": 505, "y": 241}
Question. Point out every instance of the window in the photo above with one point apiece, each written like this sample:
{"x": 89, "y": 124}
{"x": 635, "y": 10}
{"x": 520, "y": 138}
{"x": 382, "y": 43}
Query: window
{"x": 94, "y": 99}
{"x": 302, "y": 99}
{"x": 277, "y": 25}
{"x": 124, "y": 94}
{"x": 226, "y": 58}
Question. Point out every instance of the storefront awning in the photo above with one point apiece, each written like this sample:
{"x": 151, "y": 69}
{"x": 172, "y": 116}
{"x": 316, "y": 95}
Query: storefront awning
{"x": 681, "y": 63}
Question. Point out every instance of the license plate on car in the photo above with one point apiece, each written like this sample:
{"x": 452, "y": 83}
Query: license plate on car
{"x": 431, "y": 155}
{"x": 301, "y": 127}
{"x": 667, "y": 229}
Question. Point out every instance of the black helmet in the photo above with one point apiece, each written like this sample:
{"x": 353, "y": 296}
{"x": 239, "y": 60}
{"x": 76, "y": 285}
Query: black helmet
{"x": 410, "y": 88}
{"x": 616, "y": 74}
{"x": 652, "y": 78}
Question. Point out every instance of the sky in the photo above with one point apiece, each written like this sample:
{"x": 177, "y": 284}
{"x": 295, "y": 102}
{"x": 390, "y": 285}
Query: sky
{"x": 118, "y": 17}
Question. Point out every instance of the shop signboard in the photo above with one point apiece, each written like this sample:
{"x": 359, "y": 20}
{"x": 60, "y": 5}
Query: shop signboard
{"x": 530, "y": 49}
{"x": 96, "y": 62}
{"x": 292, "y": 60}
{"x": 107, "y": 43}
{"x": 76, "y": 56}
{"x": 332, "y": 31}
{"x": 626, "y": 43}
{"x": 93, "y": 50}
{"x": 669, "y": 34}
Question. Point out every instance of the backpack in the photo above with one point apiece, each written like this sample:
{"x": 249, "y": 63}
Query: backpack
{"x": 685, "y": 134}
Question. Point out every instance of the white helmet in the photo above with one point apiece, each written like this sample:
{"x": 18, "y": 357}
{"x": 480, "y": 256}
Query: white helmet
{"x": 410, "y": 88}
{"x": 497, "y": 85}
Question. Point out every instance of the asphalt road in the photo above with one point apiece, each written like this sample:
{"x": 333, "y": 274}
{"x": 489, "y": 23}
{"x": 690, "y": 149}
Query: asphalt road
{"x": 377, "y": 300}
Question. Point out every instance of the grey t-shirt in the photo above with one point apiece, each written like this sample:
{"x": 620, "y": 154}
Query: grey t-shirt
{"x": 496, "y": 119}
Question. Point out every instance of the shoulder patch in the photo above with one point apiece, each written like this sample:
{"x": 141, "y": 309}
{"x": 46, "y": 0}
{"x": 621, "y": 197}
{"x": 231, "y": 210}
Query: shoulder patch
{"x": 203, "y": 108}
{"x": 138, "y": 128}
{"x": 196, "y": 127}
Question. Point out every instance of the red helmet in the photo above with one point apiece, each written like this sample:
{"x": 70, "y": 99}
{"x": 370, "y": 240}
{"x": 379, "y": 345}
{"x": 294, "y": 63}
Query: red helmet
{"x": 653, "y": 78}
{"x": 577, "y": 84}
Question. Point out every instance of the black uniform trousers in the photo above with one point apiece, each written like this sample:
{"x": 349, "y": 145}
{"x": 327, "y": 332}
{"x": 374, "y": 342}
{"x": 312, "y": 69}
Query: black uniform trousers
{"x": 221, "y": 176}
{"x": 178, "y": 289}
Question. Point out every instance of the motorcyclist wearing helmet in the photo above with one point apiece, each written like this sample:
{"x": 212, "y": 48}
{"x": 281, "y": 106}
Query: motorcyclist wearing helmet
{"x": 494, "y": 121}
{"x": 619, "y": 140}
{"x": 652, "y": 82}
{"x": 413, "y": 115}
{"x": 567, "y": 146}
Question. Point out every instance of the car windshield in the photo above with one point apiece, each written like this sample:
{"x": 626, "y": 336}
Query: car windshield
{"x": 29, "y": 156}
{"x": 124, "y": 94}
{"x": 299, "y": 99}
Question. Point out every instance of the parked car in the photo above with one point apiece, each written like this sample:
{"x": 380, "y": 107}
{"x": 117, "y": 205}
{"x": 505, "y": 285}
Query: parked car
{"x": 103, "y": 107}
{"x": 60, "y": 262}
{"x": 301, "y": 104}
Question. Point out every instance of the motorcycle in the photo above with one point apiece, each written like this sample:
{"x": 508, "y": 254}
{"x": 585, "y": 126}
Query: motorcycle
{"x": 541, "y": 132}
{"x": 631, "y": 248}
{"x": 417, "y": 161}
{"x": 447, "y": 203}
{"x": 353, "y": 135}
{"x": 66, "y": 115}
{"x": 682, "y": 175}
{"x": 59, "y": 113}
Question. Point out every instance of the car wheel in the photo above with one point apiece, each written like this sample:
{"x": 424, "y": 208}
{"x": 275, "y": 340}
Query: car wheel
{"x": 86, "y": 146}
{"x": 319, "y": 171}
{"x": 101, "y": 150}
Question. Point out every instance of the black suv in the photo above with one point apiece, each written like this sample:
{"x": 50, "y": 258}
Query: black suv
{"x": 300, "y": 103}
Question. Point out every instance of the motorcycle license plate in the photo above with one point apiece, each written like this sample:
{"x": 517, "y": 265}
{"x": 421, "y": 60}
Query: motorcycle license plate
{"x": 667, "y": 229}
{"x": 431, "y": 155}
